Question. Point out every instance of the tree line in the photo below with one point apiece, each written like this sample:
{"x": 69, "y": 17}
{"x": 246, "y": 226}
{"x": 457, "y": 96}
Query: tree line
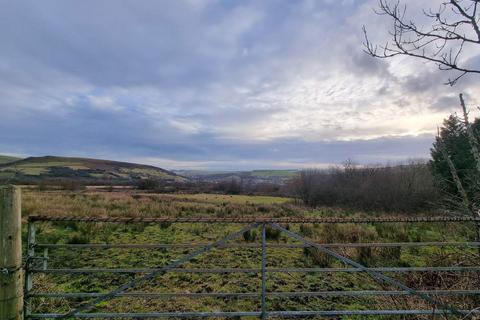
{"x": 408, "y": 187}
{"x": 448, "y": 182}
{"x": 451, "y": 179}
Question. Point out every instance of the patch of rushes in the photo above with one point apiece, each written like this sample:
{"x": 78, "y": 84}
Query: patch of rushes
{"x": 130, "y": 203}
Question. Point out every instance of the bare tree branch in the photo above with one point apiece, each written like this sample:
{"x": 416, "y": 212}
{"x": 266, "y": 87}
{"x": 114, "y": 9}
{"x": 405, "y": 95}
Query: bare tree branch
{"x": 442, "y": 42}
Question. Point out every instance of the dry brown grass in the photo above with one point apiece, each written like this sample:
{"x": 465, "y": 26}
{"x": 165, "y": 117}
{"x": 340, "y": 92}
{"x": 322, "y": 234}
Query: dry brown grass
{"x": 132, "y": 203}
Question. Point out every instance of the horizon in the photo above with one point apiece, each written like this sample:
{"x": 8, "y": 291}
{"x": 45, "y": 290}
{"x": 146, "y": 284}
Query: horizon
{"x": 226, "y": 170}
{"x": 208, "y": 85}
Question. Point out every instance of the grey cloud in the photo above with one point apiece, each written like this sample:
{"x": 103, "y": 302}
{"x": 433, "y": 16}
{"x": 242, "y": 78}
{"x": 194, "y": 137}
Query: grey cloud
{"x": 419, "y": 83}
{"x": 446, "y": 103}
{"x": 167, "y": 79}
{"x": 364, "y": 65}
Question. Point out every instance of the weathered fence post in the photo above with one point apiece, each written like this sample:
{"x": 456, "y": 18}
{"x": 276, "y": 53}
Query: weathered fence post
{"x": 11, "y": 277}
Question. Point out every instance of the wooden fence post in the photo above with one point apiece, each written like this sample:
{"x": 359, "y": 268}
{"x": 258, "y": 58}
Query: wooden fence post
{"x": 11, "y": 273}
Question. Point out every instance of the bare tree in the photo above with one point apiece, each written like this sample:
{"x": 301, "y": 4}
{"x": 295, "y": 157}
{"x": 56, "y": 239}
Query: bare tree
{"x": 453, "y": 29}
{"x": 453, "y": 26}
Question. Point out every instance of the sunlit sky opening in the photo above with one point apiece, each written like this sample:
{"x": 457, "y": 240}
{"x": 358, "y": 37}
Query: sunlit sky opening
{"x": 215, "y": 85}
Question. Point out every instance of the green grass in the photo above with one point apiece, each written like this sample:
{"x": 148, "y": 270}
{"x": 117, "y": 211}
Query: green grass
{"x": 235, "y": 199}
{"x": 274, "y": 173}
{"x": 8, "y": 159}
{"x": 138, "y": 204}
{"x": 146, "y": 172}
{"x": 36, "y": 166}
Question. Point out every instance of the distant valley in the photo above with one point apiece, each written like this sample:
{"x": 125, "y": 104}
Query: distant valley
{"x": 248, "y": 177}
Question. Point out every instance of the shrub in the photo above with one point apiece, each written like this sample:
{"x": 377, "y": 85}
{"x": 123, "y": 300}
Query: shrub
{"x": 165, "y": 225}
{"x": 402, "y": 188}
{"x": 272, "y": 234}
{"x": 250, "y": 236}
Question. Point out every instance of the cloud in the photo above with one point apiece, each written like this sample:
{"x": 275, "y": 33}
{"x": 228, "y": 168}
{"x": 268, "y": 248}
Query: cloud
{"x": 211, "y": 83}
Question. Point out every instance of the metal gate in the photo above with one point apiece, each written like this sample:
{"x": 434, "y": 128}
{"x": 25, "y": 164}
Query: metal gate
{"x": 38, "y": 263}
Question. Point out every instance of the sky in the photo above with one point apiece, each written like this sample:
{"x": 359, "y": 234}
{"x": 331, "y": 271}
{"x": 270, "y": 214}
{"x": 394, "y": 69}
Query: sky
{"x": 215, "y": 85}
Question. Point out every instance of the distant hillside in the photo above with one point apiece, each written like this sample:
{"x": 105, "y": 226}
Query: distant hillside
{"x": 35, "y": 169}
{"x": 255, "y": 176}
{"x": 274, "y": 173}
{"x": 7, "y": 159}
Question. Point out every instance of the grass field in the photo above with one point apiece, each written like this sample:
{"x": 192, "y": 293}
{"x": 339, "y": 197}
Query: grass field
{"x": 66, "y": 167}
{"x": 7, "y": 159}
{"x": 131, "y": 203}
{"x": 231, "y": 199}
{"x": 274, "y": 173}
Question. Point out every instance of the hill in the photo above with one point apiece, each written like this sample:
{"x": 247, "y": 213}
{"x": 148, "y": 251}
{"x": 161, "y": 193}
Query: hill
{"x": 253, "y": 177}
{"x": 7, "y": 159}
{"x": 96, "y": 171}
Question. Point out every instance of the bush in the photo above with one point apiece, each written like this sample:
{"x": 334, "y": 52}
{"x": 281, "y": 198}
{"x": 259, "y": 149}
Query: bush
{"x": 272, "y": 234}
{"x": 250, "y": 236}
{"x": 165, "y": 225}
{"x": 403, "y": 188}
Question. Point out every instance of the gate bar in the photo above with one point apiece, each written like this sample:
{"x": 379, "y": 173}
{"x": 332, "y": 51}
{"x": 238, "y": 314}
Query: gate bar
{"x": 76, "y": 312}
{"x": 253, "y": 245}
{"x": 255, "y": 314}
{"x": 285, "y": 294}
{"x": 373, "y": 274}
{"x": 255, "y": 270}
{"x": 255, "y": 219}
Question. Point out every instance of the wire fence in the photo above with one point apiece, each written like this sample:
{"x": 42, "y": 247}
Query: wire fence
{"x": 39, "y": 257}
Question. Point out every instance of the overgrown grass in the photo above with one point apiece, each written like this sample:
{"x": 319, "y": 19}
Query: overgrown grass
{"x": 130, "y": 203}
